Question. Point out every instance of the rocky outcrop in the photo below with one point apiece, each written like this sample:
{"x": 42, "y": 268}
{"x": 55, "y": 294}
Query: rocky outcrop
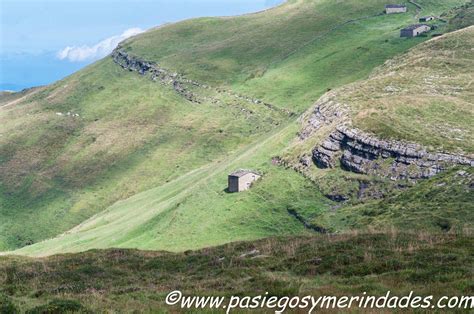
{"x": 359, "y": 152}
{"x": 178, "y": 82}
{"x": 182, "y": 85}
{"x": 326, "y": 112}
{"x": 326, "y": 155}
{"x": 362, "y": 153}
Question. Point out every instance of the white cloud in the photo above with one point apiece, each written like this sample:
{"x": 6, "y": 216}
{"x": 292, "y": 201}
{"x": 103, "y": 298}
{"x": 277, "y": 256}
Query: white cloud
{"x": 99, "y": 50}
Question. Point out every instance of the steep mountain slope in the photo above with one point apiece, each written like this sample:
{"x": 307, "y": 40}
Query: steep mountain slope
{"x": 70, "y": 150}
{"x": 194, "y": 211}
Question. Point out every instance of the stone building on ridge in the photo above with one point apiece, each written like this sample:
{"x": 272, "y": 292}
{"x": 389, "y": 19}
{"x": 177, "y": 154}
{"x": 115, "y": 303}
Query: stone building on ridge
{"x": 395, "y": 8}
{"x": 414, "y": 30}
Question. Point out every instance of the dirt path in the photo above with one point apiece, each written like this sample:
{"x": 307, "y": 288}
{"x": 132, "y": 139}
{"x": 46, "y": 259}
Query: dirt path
{"x": 16, "y": 101}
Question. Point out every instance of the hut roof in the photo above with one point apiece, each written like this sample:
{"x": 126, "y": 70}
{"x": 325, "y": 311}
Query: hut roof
{"x": 395, "y": 6}
{"x": 242, "y": 172}
{"x": 414, "y": 26}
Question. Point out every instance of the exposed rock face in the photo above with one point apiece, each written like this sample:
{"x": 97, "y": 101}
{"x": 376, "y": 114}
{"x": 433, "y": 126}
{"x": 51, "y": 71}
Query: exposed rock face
{"x": 326, "y": 112}
{"x": 165, "y": 77}
{"x": 325, "y": 156}
{"x": 362, "y": 153}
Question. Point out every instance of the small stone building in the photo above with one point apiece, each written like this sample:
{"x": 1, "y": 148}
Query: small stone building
{"x": 241, "y": 180}
{"x": 395, "y": 8}
{"x": 427, "y": 18}
{"x": 414, "y": 30}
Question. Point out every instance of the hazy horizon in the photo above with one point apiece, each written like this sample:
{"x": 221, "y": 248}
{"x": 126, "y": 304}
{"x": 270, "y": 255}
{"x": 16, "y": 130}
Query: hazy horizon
{"x": 44, "y": 41}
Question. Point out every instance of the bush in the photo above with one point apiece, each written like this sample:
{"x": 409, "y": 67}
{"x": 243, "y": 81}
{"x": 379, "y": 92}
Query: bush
{"x": 7, "y": 306}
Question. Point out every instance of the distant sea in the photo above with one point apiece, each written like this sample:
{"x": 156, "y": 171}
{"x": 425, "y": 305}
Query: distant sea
{"x": 32, "y": 33}
{"x": 29, "y": 70}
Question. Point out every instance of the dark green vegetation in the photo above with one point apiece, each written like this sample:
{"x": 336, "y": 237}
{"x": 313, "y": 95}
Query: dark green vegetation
{"x": 7, "y": 306}
{"x": 442, "y": 203}
{"x": 128, "y": 280}
{"x": 463, "y": 17}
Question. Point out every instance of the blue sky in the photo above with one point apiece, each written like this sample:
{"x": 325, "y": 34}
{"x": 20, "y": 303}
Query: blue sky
{"x": 35, "y": 34}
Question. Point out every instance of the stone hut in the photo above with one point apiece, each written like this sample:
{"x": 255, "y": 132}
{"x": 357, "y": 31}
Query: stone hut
{"x": 414, "y": 30}
{"x": 241, "y": 180}
{"x": 395, "y": 8}
{"x": 426, "y": 18}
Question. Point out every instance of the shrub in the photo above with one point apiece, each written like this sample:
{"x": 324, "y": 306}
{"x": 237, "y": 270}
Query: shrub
{"x": 7, "y": 306}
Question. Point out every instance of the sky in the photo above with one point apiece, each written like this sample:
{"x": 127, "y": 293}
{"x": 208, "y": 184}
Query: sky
{"x": 42, "y": 41}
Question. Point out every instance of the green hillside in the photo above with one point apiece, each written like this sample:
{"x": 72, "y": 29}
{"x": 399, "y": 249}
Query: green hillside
{"x": 444, "y": 203}
{"x": 129, "y": 162}
{"x": 291, "y": 54}
{"x": 100, "y": 136}
{"x": 194, "y": 211}
{"x": 427, "y": 91}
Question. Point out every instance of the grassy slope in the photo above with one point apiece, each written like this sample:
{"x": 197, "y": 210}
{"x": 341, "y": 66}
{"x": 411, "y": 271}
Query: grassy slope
{"x": 130, "y": 280}
{"x": 131, "y": 134}
{"x": 193, "y": 215}
{"x": 195, "y": 211}
{"x": 424, "y": 96}
{"x": 83, "y": 165}
{"x": 463, "y": 17}
{"x": 288, "y": 55}
{"x": 426, "y": 91}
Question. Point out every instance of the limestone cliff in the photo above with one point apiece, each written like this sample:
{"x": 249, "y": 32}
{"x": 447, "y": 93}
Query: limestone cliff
{"x": 363, "y": 153}
{"x": 360, "y": 152}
